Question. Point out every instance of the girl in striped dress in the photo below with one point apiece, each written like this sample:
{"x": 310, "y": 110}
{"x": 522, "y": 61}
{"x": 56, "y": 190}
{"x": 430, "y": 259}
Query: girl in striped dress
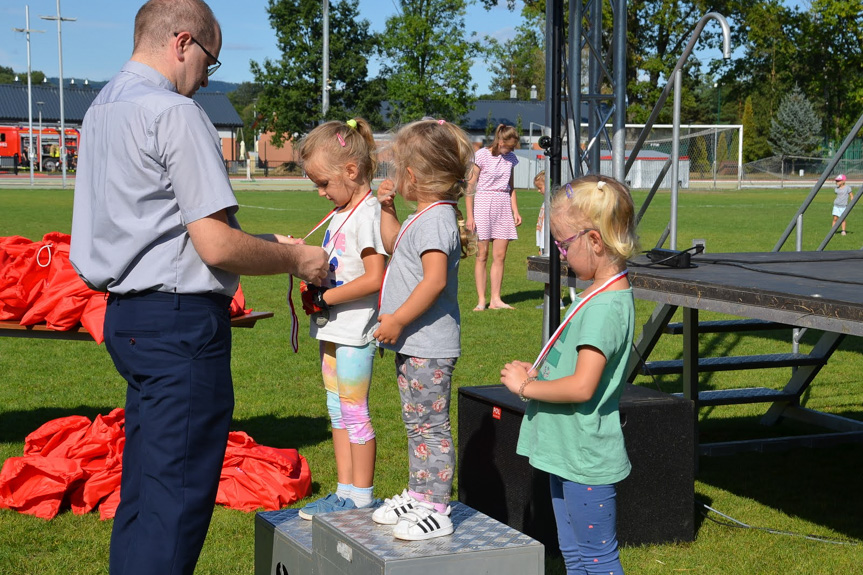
{"x": 493, "y": 212}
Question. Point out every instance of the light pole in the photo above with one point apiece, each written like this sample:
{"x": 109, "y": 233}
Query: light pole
{"x": 60, "y": 21}
{"x": 716, "y": 131}
{"x": 40, "y": 136}
{"x": 26, "y": 29}
{"x": 325, "y": 95}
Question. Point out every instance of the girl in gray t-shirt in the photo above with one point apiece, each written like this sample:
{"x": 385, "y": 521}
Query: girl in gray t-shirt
{"x": 843, "y": 195}
{"x": 419, "y": 315}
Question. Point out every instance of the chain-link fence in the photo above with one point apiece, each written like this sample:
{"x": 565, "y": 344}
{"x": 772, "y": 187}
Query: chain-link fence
{"x": 796, "y": 170}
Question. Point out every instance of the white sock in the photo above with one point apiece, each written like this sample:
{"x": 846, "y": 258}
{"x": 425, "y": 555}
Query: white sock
{"x": 362, "y": 496}
{"x": 344, "y": 490}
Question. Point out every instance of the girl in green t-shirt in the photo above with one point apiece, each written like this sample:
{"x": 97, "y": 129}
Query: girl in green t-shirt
{"x": 571, "y": 427}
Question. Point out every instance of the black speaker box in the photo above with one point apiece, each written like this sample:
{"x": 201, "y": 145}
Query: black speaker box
{"x": 655, "y": 504}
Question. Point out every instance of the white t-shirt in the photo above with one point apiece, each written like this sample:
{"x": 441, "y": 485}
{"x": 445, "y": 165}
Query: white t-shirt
{"x": 352, "y": 322}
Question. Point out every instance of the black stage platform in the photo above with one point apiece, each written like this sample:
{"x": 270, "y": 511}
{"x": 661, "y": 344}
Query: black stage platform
{"x": 818, "y": 290}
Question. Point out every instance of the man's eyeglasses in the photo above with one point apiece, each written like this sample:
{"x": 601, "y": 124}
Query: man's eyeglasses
{"x": 564, "y": 245}
{"x": 210, "y": 69}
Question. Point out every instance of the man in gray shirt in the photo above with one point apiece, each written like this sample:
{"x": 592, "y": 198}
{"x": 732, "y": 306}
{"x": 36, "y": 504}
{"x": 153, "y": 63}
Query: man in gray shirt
{"x": 154, "y": 226}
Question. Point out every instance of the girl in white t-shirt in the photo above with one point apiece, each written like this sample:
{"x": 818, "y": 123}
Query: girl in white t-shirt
{"x": 339, "y": 158}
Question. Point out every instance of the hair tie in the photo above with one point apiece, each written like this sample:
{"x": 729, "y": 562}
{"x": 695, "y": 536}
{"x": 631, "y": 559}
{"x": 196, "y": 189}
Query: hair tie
{"x": 569, "y": 191}
{"x": 341, "y": 139}
{"x": 599, "y": 185}
{"x": 441, "y": 122}
{"x": 351, "y": 124}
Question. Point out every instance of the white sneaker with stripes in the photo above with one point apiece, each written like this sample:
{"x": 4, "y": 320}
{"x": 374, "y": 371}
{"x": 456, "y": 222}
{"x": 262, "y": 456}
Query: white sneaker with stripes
{"x": 424, "y": 522}
{"x": 392, "y": 509}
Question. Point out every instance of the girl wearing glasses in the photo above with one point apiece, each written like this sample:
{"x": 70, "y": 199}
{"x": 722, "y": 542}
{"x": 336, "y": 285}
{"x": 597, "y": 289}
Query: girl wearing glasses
{"x": 571, "y": 427}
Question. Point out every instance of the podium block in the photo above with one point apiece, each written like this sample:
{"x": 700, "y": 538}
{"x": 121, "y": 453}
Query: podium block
{"x": 350, "y": 543}
{"x": 655, "y": 504}
{"x": 283, "y": 544}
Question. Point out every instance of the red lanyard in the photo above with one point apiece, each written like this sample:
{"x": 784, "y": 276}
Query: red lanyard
{"x": 295, "y": 324}
{"x": 557, "y": 333}
{"x": 399, "y": 239}
{"x": 331, "y": 214}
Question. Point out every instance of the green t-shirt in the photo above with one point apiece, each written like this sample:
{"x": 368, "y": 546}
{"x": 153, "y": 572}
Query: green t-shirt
{"x": 583, "y": 442}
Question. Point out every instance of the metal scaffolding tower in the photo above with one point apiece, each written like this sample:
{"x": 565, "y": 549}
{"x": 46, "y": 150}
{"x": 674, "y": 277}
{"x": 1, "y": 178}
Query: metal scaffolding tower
{"x": 602, "y": 89}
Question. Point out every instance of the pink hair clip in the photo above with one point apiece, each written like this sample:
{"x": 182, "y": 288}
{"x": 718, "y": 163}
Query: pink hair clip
{"x": 441, "y": 122}
{"x": 341, "y": 140}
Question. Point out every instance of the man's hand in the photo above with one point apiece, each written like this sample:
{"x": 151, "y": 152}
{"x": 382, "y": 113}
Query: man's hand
{"x": 288, "y": 240}
{"x": 312, "y": 264}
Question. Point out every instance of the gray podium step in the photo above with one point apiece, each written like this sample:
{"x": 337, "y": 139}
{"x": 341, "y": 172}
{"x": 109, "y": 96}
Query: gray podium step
{"x": 742, "y": 395}
{"x": 350, "y": 543}
{"x": 729, "y": 363}
{"x": 283, "y": 543}
{"x": 729, "y": 326}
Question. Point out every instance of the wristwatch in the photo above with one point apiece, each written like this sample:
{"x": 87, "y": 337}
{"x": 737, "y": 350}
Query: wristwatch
{"x": 318, "y": 299}
{"x": 321, "y": 317}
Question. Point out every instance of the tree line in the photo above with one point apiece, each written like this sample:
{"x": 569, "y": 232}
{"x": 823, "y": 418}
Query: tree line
{"x": 811, "y": 50}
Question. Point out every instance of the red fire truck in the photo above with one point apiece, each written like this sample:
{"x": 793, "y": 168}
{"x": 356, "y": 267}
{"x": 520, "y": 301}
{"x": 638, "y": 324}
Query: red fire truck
{"x": 15, "y": 145}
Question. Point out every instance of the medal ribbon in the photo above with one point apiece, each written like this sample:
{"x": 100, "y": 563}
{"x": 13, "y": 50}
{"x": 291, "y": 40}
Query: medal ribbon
{"x": 399, "y": 239}
{"x": 557, "y": 333}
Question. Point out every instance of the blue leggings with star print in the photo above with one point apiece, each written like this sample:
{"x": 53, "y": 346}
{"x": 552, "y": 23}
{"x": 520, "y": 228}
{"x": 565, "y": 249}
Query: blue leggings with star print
{"x": 586, "y": 517}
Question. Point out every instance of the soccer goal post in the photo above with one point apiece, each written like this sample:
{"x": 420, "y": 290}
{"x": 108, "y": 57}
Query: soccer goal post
{"x": 711, "y": 156}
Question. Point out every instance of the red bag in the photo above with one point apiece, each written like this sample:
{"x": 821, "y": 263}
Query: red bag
{"x": 238, "y": 303}
{"x": 71, "y": 460}
{"x": 256, "y": 476}
{"x": 23, "y": 275}
{"x": 93, "y": 318}
{"x": 64, "y": 295}
{"x": 37, "y": 485}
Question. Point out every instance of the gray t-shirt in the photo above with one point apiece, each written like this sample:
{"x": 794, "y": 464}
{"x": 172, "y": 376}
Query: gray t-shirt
{"x": 437, "y": 332}
{"x": 842, "y": 192}
{"x": 150, "y": 162}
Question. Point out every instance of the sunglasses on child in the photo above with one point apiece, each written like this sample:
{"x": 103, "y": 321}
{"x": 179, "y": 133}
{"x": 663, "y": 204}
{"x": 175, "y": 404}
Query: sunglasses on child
{"x": 562, "y": 246}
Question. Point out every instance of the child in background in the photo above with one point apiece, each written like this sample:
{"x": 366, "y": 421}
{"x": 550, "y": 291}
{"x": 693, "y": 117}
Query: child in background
{"x": 539, "y": 183}
{"x": 843, "y": 195}
{"x": 492, "y": 212}
{"x": 571, "y": 427}
{"x": 419, "y": 315}
{"x": 339, "y": 158}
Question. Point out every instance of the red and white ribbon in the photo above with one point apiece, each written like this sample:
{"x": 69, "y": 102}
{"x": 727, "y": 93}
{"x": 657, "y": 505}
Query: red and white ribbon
{"x": 399, "y": 239}
{"x": 556, "y": 335}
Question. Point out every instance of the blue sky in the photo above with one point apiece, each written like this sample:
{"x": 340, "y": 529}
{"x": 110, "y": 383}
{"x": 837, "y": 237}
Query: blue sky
{"x": 100, "y": 41}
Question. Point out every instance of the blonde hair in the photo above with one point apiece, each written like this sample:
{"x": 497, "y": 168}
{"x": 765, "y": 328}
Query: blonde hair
{"x": 502, "y": 134}
{"x": 158, "y": 20}
{"x": 540, "y": 177}
{"x": 440, "y": 157}
{"x": 343, "y": 142}
{"x": 606, "y": 205}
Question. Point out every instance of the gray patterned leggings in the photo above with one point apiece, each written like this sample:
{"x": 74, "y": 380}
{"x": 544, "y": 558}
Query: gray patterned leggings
{"x": 425, "y": 386}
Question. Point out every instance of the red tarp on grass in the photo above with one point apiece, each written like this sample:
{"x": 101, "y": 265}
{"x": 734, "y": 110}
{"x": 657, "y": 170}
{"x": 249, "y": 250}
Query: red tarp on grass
{"x": 38, "y": 284}
{"x": 74, "y": 463}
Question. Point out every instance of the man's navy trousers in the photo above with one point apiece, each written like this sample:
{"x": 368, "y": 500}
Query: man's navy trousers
{"x": 174, "y": 350}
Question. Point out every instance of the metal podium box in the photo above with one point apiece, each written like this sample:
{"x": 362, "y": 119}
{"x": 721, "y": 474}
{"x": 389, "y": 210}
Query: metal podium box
{"x": 283, "y": 544}
{"x": 350, "y": 543}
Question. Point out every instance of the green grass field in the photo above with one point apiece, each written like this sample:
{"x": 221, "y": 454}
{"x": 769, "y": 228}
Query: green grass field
{"x": 280, "y": 401}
